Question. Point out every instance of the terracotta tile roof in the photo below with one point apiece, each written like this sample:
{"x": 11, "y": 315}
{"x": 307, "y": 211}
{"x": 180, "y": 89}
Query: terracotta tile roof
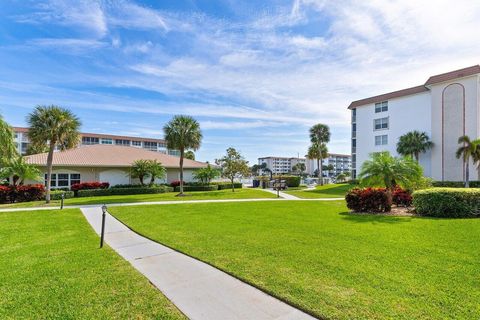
{"x": 465, "y": 72}
{"x": 101, "y": 155}
{"x": 387, "y": 96}
{"x": 19, "y": 129}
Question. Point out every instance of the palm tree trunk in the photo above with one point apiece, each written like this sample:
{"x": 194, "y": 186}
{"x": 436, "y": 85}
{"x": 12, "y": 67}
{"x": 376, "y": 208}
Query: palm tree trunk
{"x": 49, "y": 171}
{"x": 467, "y": 174}
{"x": 416, "y": 155}
{"x": 182, "y": 151}
{"x": 320, "y": 171}
{"x": 233, "y": 187}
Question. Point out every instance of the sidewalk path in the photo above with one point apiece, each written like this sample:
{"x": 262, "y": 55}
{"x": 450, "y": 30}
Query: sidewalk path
{"x": 284, "y": 195}
{"x": 199, "y": 290}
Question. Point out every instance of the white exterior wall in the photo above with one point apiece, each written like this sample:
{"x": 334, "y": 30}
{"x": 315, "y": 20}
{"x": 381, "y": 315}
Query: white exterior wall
{"x": 341, "y": 163}
{"x": 405, "y": 114}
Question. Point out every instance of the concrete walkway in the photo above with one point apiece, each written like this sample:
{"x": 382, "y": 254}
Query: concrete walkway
{"x": 283, "y": 195}
{"x": 199, "y": 290}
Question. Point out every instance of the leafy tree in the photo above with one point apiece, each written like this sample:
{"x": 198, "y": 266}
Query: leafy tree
{"x": 56, "y": 127}
{"x": 20, "y": 171}
{"x": 8, "y": 151}
{"x": 155, "y": 170}
{"x": 341, "y": 177}
{"x": 182, "y": 133}
{"x": 299, "y": 168}
{"x": 233, "y": 165}
{"x": 469, "y": 149}
{"x": 387, "y": 171}
{"x": 318, "y": 153}
{"x": 34, "y": 149}
{"x": 319, "y": 137}
{"x": 206, "y": 175}
{"x": 190, "y": 155}
{"x": 413, "y": 143}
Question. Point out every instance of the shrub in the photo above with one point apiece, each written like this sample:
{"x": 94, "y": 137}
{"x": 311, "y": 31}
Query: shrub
{"x": 122, "y": 191}
{"x": 30, "y": 192}
{"x": 455, "y": 184}
{"x": 175, "y": 183}
{"x": 447, "y": 202}
{"x": 372, "y": 200}
{"x": 90, "y": 185}
{"x": 57, "y": 194}
{"x": 4, "y": 194}
{"x": 292, "y": 181}
{"x": 228, "y": 185}
{"x": 211, "y": 187}
{"x": 402, "y": 197}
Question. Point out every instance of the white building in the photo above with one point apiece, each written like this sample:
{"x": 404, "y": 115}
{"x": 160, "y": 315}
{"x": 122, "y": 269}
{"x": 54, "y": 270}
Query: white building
{"x": 446, "y": 107}
{"x": 280, "y": 165}
{"x": 340, "y": 162}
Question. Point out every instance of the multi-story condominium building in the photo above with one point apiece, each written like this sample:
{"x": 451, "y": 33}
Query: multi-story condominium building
{"x": 340, "y": 163}
{"x": 446, "y": 107}
{"x": 159, "y": 145}
{"x": 280, "y": 165}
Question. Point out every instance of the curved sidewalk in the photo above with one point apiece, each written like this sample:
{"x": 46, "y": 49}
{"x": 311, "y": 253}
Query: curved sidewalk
{"x": 199, "y": 290}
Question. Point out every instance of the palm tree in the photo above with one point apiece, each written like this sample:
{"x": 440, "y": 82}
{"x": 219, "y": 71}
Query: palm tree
{"x": 469, "y": 149}
{"x": 385, "y": 170}
{"x": 56, "y": 127}
{"x": 19, "y": 171}
{"x": 413, "y": 143}
{"x": 320, "y": 136}
{"x": 190, "y": 155}
{"x": 182, "y": 133}
{"x": 7, "y": 150}
{"x": 318, "y": 152}
{"x": 156, "y": 170}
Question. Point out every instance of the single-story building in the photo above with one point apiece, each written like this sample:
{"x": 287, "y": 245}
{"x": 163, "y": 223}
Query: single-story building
{"x": 108, "y": 163}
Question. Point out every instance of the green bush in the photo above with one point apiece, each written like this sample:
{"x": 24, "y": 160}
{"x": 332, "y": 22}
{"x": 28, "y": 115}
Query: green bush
{"x": 447, "y": 202}
{"x": 292, "y": 181}
{"x": 228, "y": 185}
{"x": 211, "y": 187}
{"x": 123, "y": 191}
{"x": 455, "y": 184}
{"x": 57, "y": 194}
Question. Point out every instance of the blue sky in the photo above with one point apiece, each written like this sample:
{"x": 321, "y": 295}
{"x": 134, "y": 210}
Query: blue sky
{"x": 256, "y": 74}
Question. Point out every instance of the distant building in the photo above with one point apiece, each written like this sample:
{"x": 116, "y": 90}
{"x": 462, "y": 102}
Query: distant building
{"x": 280, "y": 165}
{"x": 340, "y": 163}
{"x": 446, "y": 107}
{"x": 158, "y": 145}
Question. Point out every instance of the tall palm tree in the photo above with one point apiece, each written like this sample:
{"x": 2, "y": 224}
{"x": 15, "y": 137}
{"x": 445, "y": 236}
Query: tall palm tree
{"x": 413, "y": 143}
{"x": 182, "y": 133}
{"x": 469, "y": 149}
{"x": 385, "y": 170}
{"x": 318, "y": 152}
{"x": 19, "y": 171}
{"x": 7, "y": 150}
{"x": 320, "y": 136}
{"x": 56, "y": 127}
{"x": 189, "y": 155}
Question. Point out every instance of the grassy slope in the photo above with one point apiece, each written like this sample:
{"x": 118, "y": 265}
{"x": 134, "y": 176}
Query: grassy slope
{"x": 171, "y": 196}
{"x": 326, "y": 191}
{"x": 330, "y": 263}
{"x": 51, "y": 267}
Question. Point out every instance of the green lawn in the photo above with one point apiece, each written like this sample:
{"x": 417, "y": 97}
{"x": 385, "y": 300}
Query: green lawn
{"x": 170, "y": 196}
{"x": 328, "y": 262}
{"x": 51, "y": 268}
{"x": 326, "y": 191}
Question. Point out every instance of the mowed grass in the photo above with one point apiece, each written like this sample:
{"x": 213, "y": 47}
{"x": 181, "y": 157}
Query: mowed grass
{"x": 325, "y": 191}
{"x": 327, "y": 262}
{"x": 170, "y": 196}
{"x": 51, "y": 268}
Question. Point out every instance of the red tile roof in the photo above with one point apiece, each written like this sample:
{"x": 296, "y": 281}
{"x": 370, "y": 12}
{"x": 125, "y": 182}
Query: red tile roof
{"x": 101, "y": 155}
{"x": 465, "y": 72}
{"x": 387, "y": 96}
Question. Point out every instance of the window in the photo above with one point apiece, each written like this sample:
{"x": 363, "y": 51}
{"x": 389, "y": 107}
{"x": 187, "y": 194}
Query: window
{"x": 106, "y": 141}
{"x": 63, "y": 180}
{"x": 150, "y": 145}
{"x": 90, "y": 140}
{"x": 381, "y": 123}
{"x": 136, "y": 143}
{"x": 24, "y": 147}
{"x": 122, "y": 142}
{"x": 381, "y": 140}
{"x": 381, "y": 107}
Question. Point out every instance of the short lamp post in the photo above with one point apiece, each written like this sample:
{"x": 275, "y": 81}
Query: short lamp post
{"x": 104, "y": 211}
{"x": 61, "y": 200}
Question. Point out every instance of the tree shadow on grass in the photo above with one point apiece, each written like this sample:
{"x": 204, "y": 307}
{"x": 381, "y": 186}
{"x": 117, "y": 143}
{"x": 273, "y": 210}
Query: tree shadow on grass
{"x": 374, "y": 218}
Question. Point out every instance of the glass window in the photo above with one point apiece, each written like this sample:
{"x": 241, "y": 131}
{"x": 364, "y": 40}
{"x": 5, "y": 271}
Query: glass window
{"x": 381, "y": 123}
{"x": 381, "y": 107}
{"x": 381, "y": 140}
{"x": 74, "y": 178}
{"x": 150, "y": 145}
{"x": 106, "y": 141}
{"x": 90, "y": 140}
{"x": 122, "y": 142}
{"x": 136, "y": 143}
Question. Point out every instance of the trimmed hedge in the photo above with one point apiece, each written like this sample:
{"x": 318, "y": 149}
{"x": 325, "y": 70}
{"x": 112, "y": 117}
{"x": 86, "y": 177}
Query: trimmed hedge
{"x": 24, "y": 193}
{"x": 292, "y": 181}
{"x": 402, "y": 197}
{"x": 138, "y": 185}
{"x": 123, "y": 191}
{"x": 455, "y": 184}
{"x": 57, "y": 194}
{"x": 211, "y": 187}
{"x": 373, "y": 200}
{"x": 228, "y": 185}
{"x": 447, "y": 202}
{"x": 90, "y": 185}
